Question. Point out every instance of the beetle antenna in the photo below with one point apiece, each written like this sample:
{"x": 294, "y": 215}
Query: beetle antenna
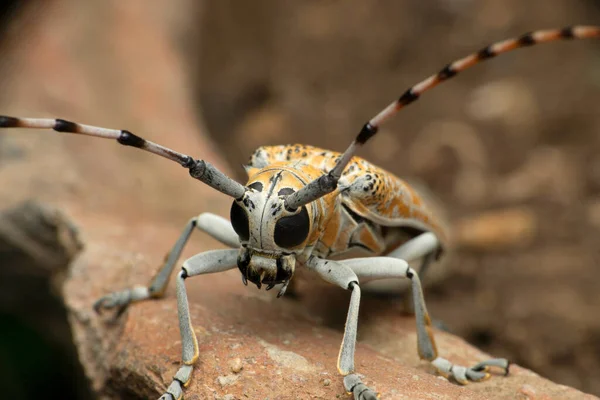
{"x": 328, "y": 183}
{"x": 199, "y": 169}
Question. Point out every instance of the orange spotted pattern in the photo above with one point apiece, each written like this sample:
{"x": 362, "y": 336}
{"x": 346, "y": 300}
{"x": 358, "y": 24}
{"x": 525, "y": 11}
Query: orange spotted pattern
{"x": 365, "y": 210}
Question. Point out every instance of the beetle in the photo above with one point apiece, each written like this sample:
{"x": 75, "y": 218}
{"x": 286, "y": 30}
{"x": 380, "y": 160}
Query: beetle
{"x": 303, "y": 206}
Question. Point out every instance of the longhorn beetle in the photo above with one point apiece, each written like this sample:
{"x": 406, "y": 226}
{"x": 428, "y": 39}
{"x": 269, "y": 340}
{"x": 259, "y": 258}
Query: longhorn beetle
{"x": 301, "y": 206}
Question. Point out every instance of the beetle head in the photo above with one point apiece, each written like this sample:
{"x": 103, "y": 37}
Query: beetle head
{"x": 272, "y": 237}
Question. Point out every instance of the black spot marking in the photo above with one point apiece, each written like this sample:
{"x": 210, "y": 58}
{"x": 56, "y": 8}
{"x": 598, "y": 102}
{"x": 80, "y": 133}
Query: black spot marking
{"x": 127, "y": 138}
{"x": 526, "y": 40}
{"x": 485, "y": 53}
{"x": 9, "y": 122}
{"x": 274, "y": 213}
{"x": 61, "y": 125}
{"x": 366, "y": 133}
{"x": 447, "y": 72}
{"x": 567, "y": 33}
{"x": 258, "y": 186}
{"x": 285, "y": 191}
{"x": 304, "y": 154}
{"x": 408, "y": 97}
{"x": 273, "y": 181}
{"x": 368, "y": 177}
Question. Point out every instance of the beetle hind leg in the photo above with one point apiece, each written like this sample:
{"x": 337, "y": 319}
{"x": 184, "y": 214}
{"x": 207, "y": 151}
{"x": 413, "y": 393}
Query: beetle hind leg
{"x": 359, "y": 390}
{"x": 476, "y": 373}
{"x": 387, "y": 267}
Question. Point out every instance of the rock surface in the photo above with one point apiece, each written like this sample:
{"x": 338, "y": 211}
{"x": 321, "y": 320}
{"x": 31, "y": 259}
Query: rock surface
{"x": 124, "y": 69}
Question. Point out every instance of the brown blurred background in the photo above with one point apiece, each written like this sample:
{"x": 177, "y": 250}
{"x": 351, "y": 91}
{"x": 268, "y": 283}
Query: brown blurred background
{"x": 511, "y": 149}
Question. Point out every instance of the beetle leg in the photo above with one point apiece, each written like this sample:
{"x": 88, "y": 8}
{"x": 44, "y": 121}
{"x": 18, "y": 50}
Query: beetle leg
{"x": 424, "y": 247}
{"x": 342, "y": 276}
{"x": 418, "y": 247}
{"x": 203, "y": 263}
{"x": 386, "y": 267}
{"x": 420, "y": 252}
{"x": 216, "y": 226}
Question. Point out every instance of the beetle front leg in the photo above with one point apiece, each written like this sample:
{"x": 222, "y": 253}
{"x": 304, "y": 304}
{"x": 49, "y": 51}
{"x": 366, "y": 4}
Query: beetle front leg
{"x": 204, "y": 263}
{"x": 387, "y": 267}
{"x": 216, "y": 226}
{"x": 344, "y": 277}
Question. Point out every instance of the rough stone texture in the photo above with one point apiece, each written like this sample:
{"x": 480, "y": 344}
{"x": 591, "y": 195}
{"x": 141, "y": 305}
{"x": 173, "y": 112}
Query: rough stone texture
{"x": 119, "y": 64}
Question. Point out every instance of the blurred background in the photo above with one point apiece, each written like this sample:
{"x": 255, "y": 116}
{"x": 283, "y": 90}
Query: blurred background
{"x": 510, "y": 149}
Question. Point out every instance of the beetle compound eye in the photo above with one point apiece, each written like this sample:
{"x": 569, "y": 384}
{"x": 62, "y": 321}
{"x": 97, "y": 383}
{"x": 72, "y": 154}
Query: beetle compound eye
{"x": 292, "y": 230}
{"x": 239, "y": 221}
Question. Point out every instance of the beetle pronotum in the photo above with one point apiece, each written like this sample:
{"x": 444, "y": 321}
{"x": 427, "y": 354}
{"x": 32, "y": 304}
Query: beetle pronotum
{"x": 301, "y": 206}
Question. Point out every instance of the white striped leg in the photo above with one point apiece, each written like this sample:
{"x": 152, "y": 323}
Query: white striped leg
{"x": 418, "y": 247}
{"x": 199, "y": 169}
{"x": 386, "y": 267}
{"x": 342, "y": 276}
{"x": 425, "y": 248}
{"x": 203, "y": 263}
{"x": 216, "y": 226}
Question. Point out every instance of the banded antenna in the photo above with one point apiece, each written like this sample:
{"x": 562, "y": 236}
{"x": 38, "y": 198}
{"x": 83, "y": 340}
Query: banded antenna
{"x": 199, "y": 169}
{"x": 328, "y": 183}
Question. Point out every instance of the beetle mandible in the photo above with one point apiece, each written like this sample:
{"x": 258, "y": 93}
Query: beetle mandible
{"x": 303, "y": 205}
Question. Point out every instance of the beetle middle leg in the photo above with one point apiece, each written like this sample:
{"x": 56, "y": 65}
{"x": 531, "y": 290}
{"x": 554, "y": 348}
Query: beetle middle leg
{"x": 216, "y": 226}
{"x": 387, "y": 267}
